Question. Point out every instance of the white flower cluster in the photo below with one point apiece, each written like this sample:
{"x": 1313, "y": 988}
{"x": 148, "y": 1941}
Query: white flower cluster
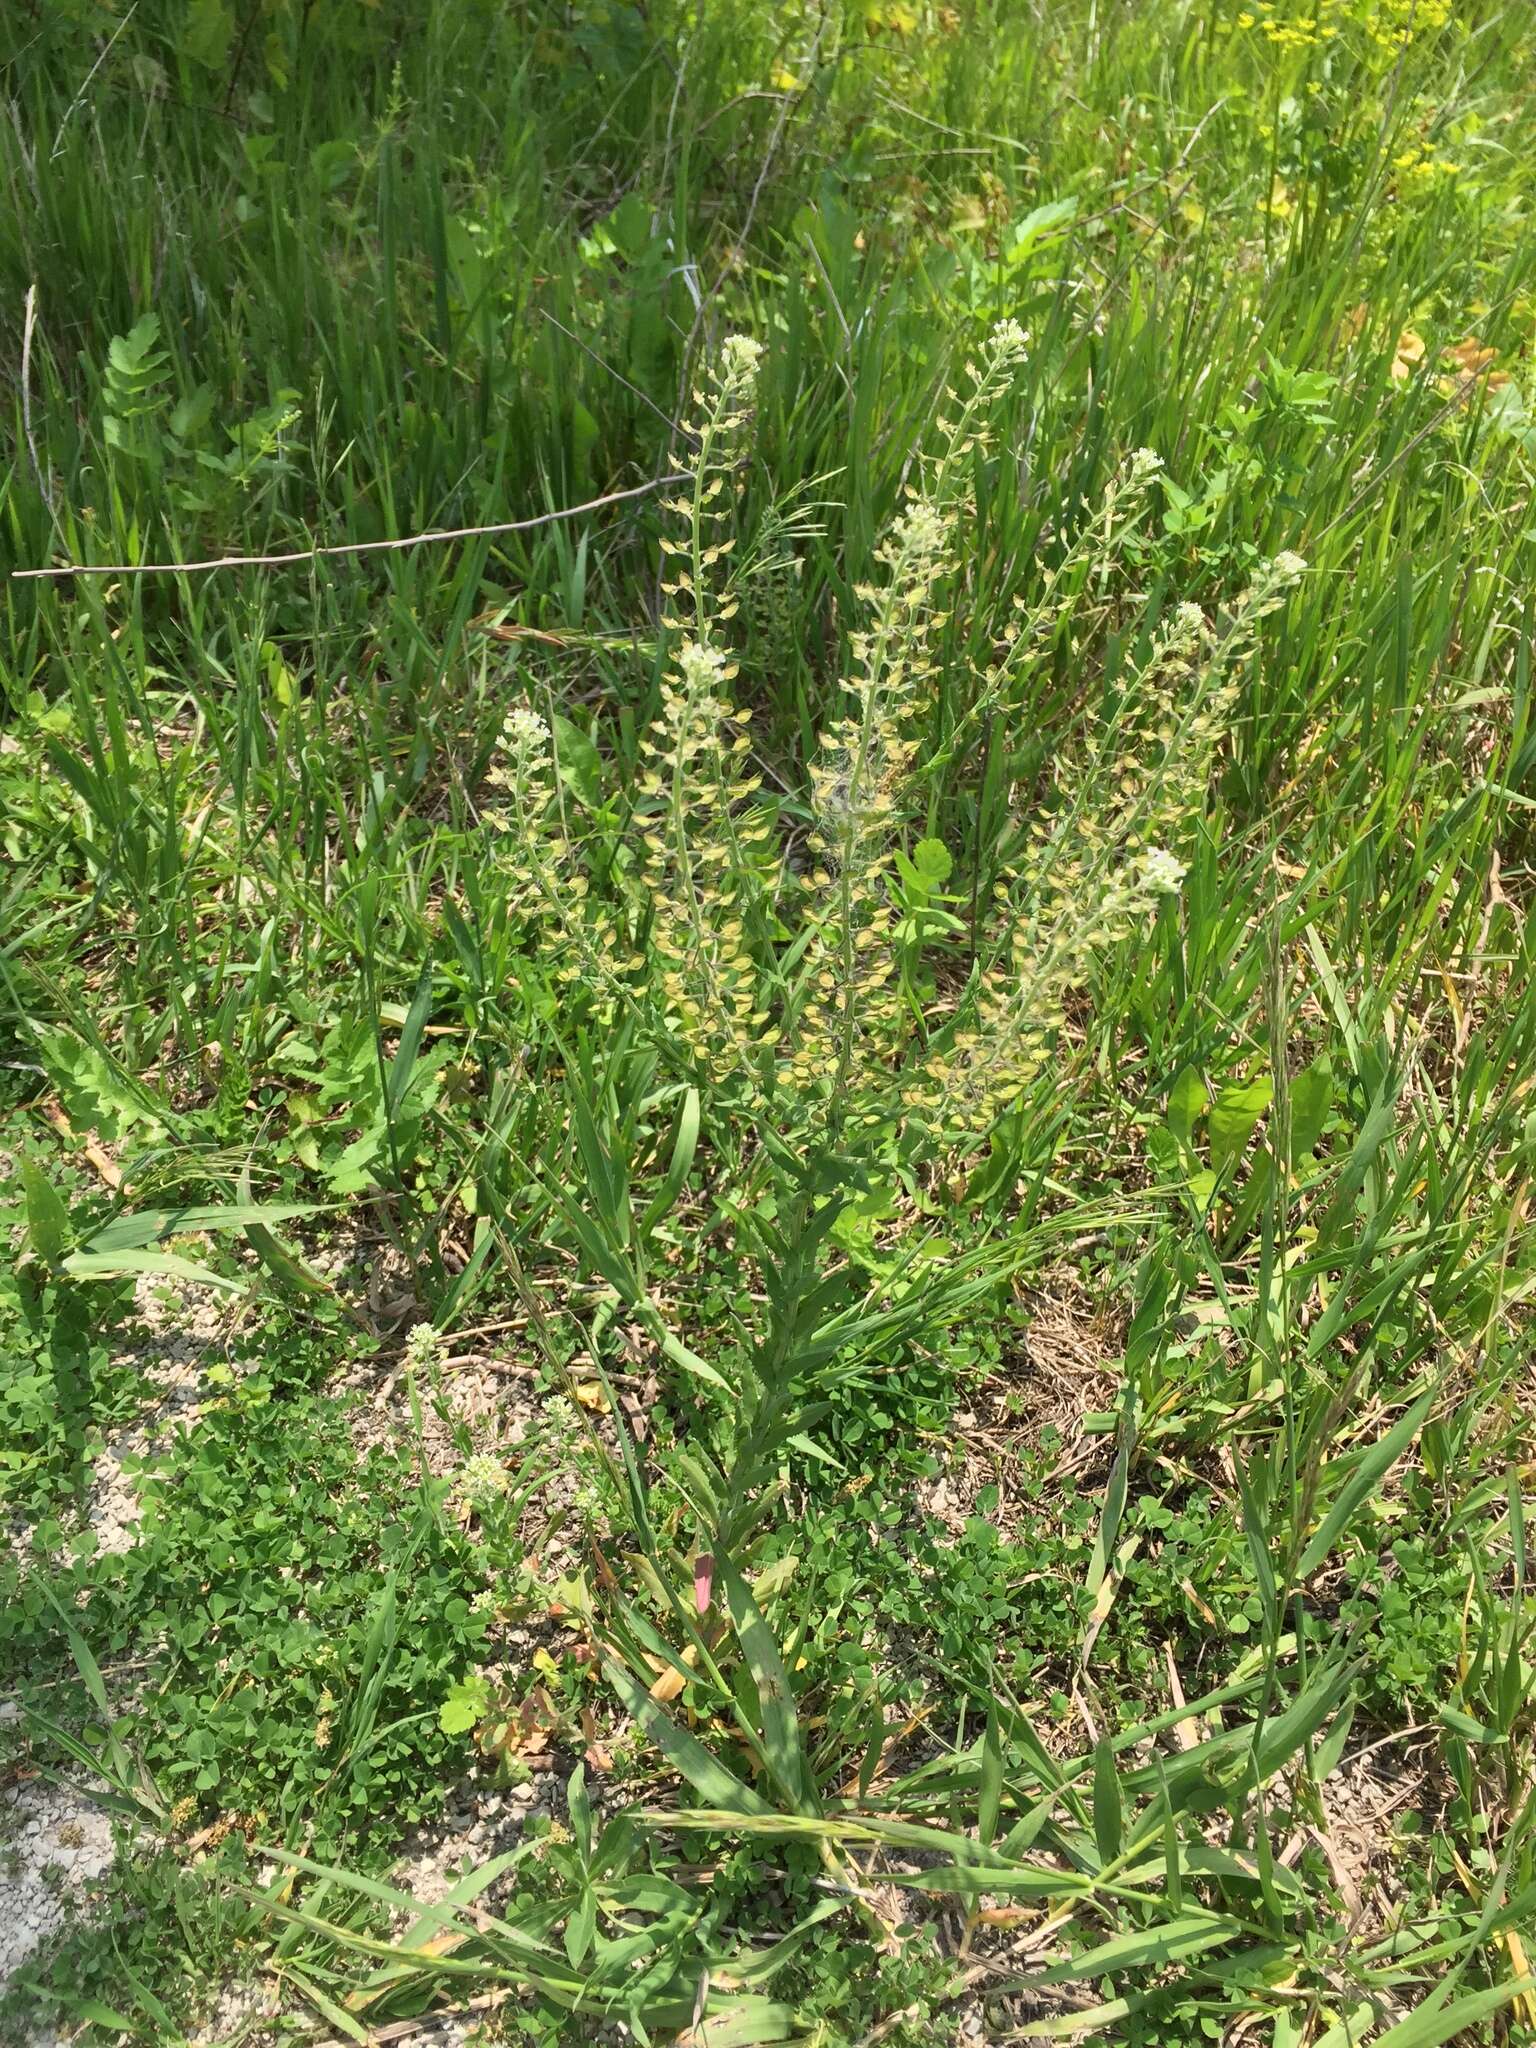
{"x": 740, "y": 356}
{"x": 482, "y": 1478}
{"x": 1162, "y": 872}
{"x": 524, "y": 731}
{"x": 701, "y": 668}
{"x": 1007, "y": 344}
{"x": 525, "y": 742}
{"x": 424, "y": 1347}
{"x": 523, "y": 763}
{"x": 920, "y": 537}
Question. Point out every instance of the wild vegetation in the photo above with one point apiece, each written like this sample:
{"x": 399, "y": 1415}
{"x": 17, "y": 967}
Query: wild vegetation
{"x": 806, "y": 1177}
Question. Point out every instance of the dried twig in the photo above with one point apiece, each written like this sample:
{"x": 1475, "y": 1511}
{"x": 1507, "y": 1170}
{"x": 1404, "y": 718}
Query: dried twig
{"x": 355, "y": 547}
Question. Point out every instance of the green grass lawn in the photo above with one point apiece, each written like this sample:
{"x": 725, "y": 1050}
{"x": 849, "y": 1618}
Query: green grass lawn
{"x": 787, "y": 1206}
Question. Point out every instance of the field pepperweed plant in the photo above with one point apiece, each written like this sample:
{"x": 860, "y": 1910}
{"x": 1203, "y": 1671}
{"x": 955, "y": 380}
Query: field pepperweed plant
{"x": 769, "y": 1213}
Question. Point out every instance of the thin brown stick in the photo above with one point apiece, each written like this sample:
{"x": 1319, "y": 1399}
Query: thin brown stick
{"x": 355, "y": 547}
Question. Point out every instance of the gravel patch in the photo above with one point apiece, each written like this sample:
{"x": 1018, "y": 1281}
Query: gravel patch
{"x": 171, "y": 1347}
{"x": 53, "y": 1845}
{"x": 480, "y": 1823}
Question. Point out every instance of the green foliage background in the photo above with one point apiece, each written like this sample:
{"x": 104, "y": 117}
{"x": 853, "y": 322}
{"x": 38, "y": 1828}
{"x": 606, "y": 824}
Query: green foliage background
{"x": 275, "y": 275}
